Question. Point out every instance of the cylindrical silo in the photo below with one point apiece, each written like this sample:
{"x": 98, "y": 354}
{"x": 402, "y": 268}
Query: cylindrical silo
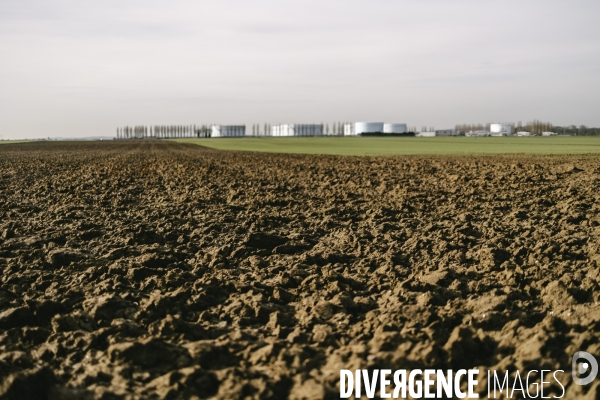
{"x": 349, "y": 130}
{"x": 368, "y": 127}
{"x": 394, "y": 128}
{"x": 497, "y": 128}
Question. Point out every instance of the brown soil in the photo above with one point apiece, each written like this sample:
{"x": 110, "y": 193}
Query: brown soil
{"x": 159, "y": 270}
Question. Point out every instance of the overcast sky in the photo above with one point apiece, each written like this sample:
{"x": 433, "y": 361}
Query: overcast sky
{"x": 80, "y": 68}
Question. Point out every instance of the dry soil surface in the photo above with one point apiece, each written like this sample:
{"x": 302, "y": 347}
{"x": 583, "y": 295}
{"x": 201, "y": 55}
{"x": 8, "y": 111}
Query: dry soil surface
{"x": 160, "y": 270}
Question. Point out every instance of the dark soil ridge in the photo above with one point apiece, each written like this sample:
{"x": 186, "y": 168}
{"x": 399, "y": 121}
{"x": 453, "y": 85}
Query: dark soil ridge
{"x": 161, "y": 270}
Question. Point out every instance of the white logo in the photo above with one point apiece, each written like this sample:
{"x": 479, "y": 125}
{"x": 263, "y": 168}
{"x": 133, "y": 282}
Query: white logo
{"x": 582, "y": 367}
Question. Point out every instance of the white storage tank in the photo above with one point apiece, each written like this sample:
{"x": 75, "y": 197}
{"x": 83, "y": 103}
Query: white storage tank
{"x": 297, "y": 130}
{"x": 282, "y": 130}
{"x": 394, "y": 128}
{"x": 368, "y": 127}
{"x": 349, "y": 130}
{"x": 228, "y": 130}
{"x": 308, "y": 130}
{"x": 498, "y": 128}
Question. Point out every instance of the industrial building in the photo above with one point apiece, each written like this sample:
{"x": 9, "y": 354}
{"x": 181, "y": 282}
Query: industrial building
{"x": 297, "y": 130}
{"x": 359, "y": 128}
{"x": 444, "y": 132}
{"x": 500, "y": 130}
{"x": 394, "y": 128}
{"x": 478, "y": 133}
{"x": 228, "y": 130}
{"x": 437, "y": 132}
{"x": 367, "y": 127}
{"x": 348, "y": 130}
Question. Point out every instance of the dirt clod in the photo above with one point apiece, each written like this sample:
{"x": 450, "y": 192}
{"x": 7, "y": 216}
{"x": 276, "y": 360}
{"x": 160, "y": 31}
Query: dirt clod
{"x": 148, "y": 269}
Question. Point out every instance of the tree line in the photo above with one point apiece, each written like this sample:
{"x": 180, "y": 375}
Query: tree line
{"x": 536, "y": 127}
{"x": 337, "y": 129}
{"x": 162, "y": 131}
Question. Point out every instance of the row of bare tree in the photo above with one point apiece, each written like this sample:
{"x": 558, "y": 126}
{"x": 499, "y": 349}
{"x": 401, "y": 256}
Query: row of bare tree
{"x": 162, "y": 131}
{"x": 535, "y": 127}
{"x": 337, "y": 129}
{"x": 581, "y": 130}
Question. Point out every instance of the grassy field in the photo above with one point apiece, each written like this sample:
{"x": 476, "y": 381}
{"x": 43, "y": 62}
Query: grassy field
{"x": 13, "y": 141}
{"x": 372, "y": 146}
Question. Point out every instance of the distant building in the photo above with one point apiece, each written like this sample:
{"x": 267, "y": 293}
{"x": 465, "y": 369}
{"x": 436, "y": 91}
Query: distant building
{"x": 501, "y": 130}
{"x": 359, "y": 128}
{"x": 549, "y": 134}
{"x": 438, "y": 132}
{"x": 297, "y": 130}
{"x": 228, "y": 130}
{"x": 349, "y": 130}
{"x": 394, "y": 128}
{"x": 444, "y": 132}
{"x": 478, "y": 133}
{"x": 368, "y": 127}
{"x": 282, "y": 130}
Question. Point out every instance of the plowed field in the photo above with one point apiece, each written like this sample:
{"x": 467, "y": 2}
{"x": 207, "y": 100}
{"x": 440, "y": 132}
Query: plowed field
{"x": 163, "y": 270}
